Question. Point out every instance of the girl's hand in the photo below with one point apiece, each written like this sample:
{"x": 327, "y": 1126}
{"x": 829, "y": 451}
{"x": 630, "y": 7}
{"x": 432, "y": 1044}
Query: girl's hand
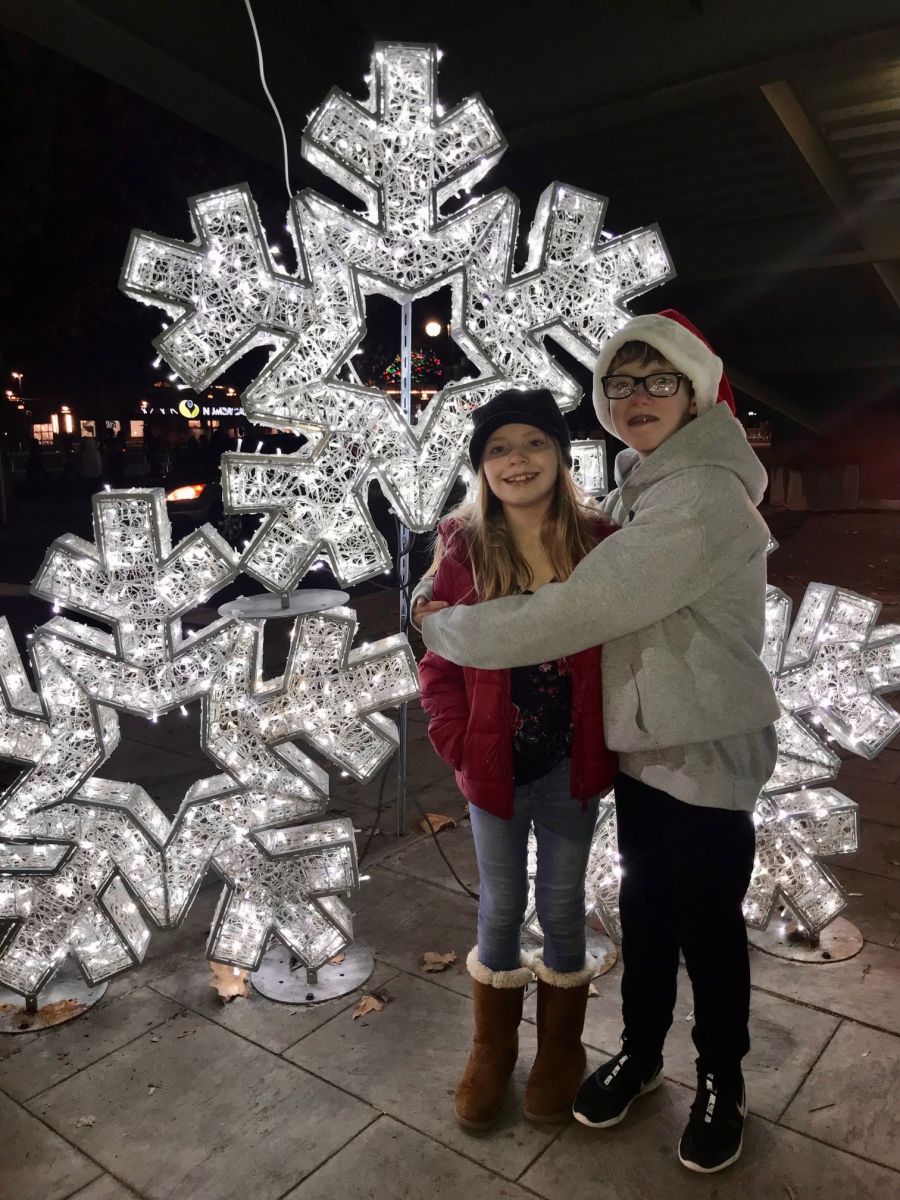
{"x": 424, "y": 608}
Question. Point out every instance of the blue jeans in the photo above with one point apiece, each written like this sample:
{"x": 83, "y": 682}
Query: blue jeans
{"x": 564, "y": 832}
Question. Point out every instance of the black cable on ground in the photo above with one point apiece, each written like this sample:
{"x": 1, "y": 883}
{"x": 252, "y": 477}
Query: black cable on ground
{"x": 378, "y": 809}
{"x": 440, "y": 849}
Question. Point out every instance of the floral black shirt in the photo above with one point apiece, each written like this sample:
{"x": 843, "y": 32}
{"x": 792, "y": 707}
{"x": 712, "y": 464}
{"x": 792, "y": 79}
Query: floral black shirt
{"x": 542, "y": 718}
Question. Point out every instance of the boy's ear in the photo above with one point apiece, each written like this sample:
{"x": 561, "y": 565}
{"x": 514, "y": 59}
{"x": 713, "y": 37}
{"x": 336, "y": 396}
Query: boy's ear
{"x": 692, "y": 407}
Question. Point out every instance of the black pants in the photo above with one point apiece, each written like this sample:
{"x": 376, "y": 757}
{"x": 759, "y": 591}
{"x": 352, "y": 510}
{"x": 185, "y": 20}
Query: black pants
{"x": 685, "y": 870}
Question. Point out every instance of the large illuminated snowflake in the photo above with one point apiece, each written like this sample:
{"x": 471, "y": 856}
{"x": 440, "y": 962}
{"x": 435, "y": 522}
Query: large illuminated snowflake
{"x": 830, "y": 670}
{"x": 413, "y": 167}
{"x": 83, "y": 860}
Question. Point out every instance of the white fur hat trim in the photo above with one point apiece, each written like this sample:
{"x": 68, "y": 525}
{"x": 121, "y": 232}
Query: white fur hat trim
{"x": 684, "y": 351}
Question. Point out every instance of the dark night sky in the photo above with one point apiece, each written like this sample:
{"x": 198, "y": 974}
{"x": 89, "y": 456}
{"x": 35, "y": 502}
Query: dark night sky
{"x": 85, "y": 162}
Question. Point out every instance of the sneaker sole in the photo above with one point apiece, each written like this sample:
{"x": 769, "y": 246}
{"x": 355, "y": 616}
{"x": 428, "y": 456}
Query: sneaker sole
{"x": 645, "y": 1090}
{"x": 692, "y": 1166}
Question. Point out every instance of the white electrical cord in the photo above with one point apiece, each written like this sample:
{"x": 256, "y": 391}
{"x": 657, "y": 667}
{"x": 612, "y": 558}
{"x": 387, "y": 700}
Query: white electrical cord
{"x": 262, "y": 78}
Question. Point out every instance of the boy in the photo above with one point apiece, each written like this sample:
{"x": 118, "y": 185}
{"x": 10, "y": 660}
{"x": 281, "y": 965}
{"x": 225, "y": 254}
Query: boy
{"x": 677, "y": 599}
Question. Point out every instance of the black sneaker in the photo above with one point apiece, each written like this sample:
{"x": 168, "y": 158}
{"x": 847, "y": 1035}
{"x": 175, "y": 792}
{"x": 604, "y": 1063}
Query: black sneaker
{"x": 606, "y": 1096}
{"x": 714, "y": 1134}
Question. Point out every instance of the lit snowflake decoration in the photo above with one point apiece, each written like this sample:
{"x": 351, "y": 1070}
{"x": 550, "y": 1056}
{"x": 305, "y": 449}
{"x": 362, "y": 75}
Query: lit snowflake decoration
{"x": 830, "y": 669}
{"x": 83, "y": 859}
{"x": 408, "y": 162}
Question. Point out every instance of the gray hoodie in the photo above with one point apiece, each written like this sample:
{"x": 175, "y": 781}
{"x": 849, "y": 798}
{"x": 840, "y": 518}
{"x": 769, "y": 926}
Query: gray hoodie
{"x": 676, "y": 597}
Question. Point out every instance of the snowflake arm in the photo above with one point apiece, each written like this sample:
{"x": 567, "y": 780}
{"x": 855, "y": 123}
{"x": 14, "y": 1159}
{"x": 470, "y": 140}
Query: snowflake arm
{"x": 286, "y": 882}
{"x": 316, "y": 508}
{"x": 329, "y": 694}
{"x": 404, "y": 158}
{"x": 574, "y": 288}
{"x": 223, "y": 288}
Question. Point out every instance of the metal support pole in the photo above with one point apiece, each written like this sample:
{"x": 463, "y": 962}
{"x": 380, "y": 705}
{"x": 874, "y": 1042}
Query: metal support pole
{"x": 404, "y": 542}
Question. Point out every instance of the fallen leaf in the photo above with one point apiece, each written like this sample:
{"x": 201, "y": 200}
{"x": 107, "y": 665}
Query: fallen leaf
{"x": 85, "y": 1122}
{"x": 338, "y": 958}
{"x": 229, "y": 982}
{"x": 438, "y": 822}
{"x": 865, "y": 1053}
{"x": 151, "y": 1088}
{"x": 154, "y": 1038}
{"x": 371, "y": 1002}
{"x": 789, "y": 1192}
{"x": 592, "y": 991}
{"x": 431, "y": 961}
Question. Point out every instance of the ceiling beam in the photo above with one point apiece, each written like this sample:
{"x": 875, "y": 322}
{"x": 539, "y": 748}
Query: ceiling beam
{"x": 811, "y": 145}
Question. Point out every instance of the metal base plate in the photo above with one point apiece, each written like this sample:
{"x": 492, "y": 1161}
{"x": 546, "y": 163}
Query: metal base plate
{"x": 65, "y": 997}
{"x": 270, "y": 607}
{"x": 838, "y": 941}
{"x": 277, "y": 981}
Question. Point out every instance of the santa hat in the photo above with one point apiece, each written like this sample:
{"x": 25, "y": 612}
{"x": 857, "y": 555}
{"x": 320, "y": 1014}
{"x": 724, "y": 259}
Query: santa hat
{"x": 685, "y": 347}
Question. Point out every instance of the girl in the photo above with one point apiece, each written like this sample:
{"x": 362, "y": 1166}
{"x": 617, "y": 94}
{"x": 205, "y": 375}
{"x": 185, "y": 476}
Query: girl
{"x": 527, "y": 749}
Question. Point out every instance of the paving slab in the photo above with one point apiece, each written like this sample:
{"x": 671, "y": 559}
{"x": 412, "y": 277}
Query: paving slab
{"x": 399, "y": 918}
{"x": 883, "y": 769}
{"x": 266, "y": 1022}
{"x": 638, "y": 1161}
{"x": 105, "y": 1188}
{"x": 406, "y": 1060}
{"x": 421, "y": 858}
{"x": 203, "y": 1114}
{"x": 391, "y": 1162}
{"x": 852, "y": 1097}
{"x": 864, "y": 988}
{"x": 875, "y": 910}
{"x": 785, "y": 1040}
{"x": 35, "y": 1164}
{"x": 63, "y": 1050}
{"x": 879, "y": 850}
{"x": 877, "y": 801}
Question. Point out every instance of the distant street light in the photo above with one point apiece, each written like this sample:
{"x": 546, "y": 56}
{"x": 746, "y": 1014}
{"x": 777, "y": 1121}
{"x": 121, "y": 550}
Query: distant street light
{"x": 434, "y": 328}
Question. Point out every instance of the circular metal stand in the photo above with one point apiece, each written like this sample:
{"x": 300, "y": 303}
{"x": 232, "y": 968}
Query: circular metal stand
{"x": 65, "y": 997}
{"x": 271, "y": 607}
{"x": 282, "y": 978}
{"x": 836, "y": 942}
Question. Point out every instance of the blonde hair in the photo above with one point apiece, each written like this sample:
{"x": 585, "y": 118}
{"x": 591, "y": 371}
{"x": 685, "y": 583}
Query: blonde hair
{"x": 498, "y": 568}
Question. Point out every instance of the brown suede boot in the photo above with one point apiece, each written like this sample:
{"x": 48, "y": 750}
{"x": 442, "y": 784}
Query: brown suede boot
{"x": 497, "y": 997}
{"x": 559, "y": 1066}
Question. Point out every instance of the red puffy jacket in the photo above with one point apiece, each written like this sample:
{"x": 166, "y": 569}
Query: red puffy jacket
{"x": 471, "y": 711}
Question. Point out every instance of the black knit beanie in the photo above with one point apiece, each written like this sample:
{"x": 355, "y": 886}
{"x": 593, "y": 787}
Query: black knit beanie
{"x": 536, "y": 408}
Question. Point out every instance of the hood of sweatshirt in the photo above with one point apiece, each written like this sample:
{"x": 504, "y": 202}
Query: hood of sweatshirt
{"x": 714, "y": 439}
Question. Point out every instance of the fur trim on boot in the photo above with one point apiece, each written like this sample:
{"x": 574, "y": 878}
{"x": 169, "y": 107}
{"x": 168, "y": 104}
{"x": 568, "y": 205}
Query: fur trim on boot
{"x": 520, "y": 977}
{"x": 563, "y": 979}
{"x": 497, "y": 998}
{"x": 560, "y": 1062}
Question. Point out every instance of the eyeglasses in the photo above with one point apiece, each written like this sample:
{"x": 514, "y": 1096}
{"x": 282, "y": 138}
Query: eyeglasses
{"x": 663, "y": 383}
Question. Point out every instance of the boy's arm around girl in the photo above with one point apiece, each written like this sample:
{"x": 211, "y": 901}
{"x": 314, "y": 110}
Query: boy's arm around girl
{"x": 692, "y": 531}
